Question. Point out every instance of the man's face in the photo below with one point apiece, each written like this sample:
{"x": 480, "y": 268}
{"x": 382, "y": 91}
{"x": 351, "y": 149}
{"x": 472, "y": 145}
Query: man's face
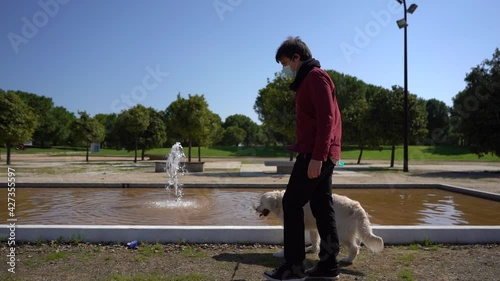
{"x": 292, "y": 62}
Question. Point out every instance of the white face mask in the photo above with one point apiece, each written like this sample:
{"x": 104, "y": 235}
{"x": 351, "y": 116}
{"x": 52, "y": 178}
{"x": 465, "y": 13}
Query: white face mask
{"x": 288, "y": 72}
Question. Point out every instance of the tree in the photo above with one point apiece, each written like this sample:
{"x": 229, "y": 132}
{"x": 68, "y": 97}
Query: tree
{"x": 135, "y": 121}
{"x": 17, "y": 121}
{"x": 216, "y": 130}
{"x": 275, "y": 107}
{"x": 212, "y": 133}
{"x": 476, "y": 108}
{"x": 155, "y": 135}
{"x": 87, "y": 130}
{"x": 253, "y": 132}
{"x": 43, "y": 108}
{"x": 350, "y": 90}
{"x": 234, "y": 135}
{"x": 438, "y": 121}
{"x": 111, "y": 125}
{"x": 351, "y": 98}
{"x": 62, "y": 128}
{"x": 191, "y": 120}
{"x": 385, "y": 114}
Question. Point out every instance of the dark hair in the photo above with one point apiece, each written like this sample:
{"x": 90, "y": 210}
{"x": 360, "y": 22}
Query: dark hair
{"x": 291, "y": 46}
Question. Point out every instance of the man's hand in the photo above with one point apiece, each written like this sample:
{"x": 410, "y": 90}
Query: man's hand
{"x": 314, "y": 169}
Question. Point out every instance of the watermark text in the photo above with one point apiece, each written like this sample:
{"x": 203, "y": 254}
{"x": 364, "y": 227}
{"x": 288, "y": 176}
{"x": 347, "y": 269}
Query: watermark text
{"x": 11, "y": 220}
{"x": 31, "y": 26}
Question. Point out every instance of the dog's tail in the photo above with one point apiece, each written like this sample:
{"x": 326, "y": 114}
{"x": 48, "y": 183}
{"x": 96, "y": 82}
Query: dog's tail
{"x": 373, "y": 242}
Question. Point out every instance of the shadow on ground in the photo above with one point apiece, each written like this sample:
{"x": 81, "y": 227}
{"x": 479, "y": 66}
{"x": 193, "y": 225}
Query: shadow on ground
{"x": 214, "y": 174}
{"x": 459, "y": 175}
{"x": 354, "y": 168}
{"x": 268, "y": 260}
{"x": 261, "y": 259}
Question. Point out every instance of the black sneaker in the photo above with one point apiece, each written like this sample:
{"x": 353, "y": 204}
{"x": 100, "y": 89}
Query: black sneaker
{"x": 320, "y": 272}
{"x": 286, "y": 272}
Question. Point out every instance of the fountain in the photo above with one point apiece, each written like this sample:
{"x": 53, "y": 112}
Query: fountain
{"x": 235, "y": 206}
{"x": 174, "y": 168}
{"x": 222, "y": 212}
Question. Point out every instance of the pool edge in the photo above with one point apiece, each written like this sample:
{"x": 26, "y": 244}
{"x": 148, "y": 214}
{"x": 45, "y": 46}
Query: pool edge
{"x": 246, "y": 234}
{"x": 392, "y": 234}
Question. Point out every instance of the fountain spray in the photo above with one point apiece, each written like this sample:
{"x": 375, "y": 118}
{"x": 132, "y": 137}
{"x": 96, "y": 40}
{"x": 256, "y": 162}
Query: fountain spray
{"x": 174, "y": 168}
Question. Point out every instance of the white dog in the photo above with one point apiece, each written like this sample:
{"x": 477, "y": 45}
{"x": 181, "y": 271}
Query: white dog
{"x": 351, "y": 219}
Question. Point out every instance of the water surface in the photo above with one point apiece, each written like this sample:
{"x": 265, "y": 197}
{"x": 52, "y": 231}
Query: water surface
{"x": 234, "y": 206}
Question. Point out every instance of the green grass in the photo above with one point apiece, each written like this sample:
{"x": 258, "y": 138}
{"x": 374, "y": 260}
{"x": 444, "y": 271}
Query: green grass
{"x": 415, "y": 153}
{"x": 151, "y": 249}
{"x": 407, "y": 259}
{"x": 406, "y": 274}
{"x": 147, "y": 250}
{"x": 158, "y": 277}
{"x": 191, "y": 251}
{"x": 427, "y": 245}
{"x": 76, "y": 239}
{"x": 54, "y": 256}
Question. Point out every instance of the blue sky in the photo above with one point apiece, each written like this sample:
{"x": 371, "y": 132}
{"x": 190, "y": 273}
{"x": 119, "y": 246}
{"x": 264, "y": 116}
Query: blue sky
{"x": 105, "y": 56}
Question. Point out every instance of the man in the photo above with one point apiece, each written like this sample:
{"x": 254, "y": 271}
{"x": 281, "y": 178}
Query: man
{"x": 318, "y": 136}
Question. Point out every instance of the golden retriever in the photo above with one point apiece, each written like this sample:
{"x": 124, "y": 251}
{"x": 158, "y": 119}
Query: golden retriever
{"x": 352, "y": 222}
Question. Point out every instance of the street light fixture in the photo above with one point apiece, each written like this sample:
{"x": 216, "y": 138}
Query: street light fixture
{"x": 403, "y": 23}
{"x": 412, "y": 8}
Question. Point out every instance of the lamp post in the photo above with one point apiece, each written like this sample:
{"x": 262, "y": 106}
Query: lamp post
{"x": 403, "y": 23}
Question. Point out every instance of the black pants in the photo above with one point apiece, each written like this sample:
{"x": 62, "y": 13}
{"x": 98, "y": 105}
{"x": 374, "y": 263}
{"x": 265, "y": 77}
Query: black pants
{"x": 318, "y": 192}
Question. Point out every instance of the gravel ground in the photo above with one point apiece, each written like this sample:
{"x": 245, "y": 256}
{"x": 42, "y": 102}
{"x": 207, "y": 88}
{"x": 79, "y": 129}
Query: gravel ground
{"x": 56, "y": 261}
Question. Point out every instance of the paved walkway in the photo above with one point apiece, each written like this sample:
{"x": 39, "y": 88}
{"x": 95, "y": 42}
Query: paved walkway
{"x": 35, "y": 168}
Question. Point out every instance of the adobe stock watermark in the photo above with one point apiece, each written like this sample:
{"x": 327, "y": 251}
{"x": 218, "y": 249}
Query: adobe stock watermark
{"x": 150, "y": 81}
{"x": 223, "y": 6}
{"x": 364, "y": 36}
{"x": 31, "y": 26}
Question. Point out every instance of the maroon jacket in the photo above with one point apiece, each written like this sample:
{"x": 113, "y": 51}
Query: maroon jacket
{"x": 318, "y": 121}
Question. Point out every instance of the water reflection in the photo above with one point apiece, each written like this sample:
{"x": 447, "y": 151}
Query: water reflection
{"x": 442, "y": 212}
{"x": 424, "y": 207}
{"x": 229, "y": 206}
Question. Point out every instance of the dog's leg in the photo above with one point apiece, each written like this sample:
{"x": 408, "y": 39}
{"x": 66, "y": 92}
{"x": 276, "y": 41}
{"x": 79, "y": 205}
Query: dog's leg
{"x": 314, "y": 248}
{"x": 353, "y": 247}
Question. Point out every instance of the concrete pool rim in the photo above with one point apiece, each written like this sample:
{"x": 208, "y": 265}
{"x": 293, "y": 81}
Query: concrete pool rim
{"x": 392, "y": 234}
{"x": 452, "y": 188}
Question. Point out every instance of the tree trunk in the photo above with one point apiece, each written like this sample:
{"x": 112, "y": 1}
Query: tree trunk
{"x": 143, "y": 151}
{"x": 87, "y": 154}
{"x": 360, "y": 154}
{"x": 392, "y": 155}
{"x": 291, "y": 156}
{"x": 189, "y": 151}
{"x": 199, "y": 153}
{"x": 8, "y": 153}
{"x": 135, "y": 150}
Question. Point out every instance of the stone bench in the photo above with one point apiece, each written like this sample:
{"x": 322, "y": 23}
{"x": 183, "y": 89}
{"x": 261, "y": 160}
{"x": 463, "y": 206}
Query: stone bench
{"x": 192, "y": 167}
{"x": 160, "y": 166}
{"x": 282, "y": 167}
{"x": 157, "y": 156}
